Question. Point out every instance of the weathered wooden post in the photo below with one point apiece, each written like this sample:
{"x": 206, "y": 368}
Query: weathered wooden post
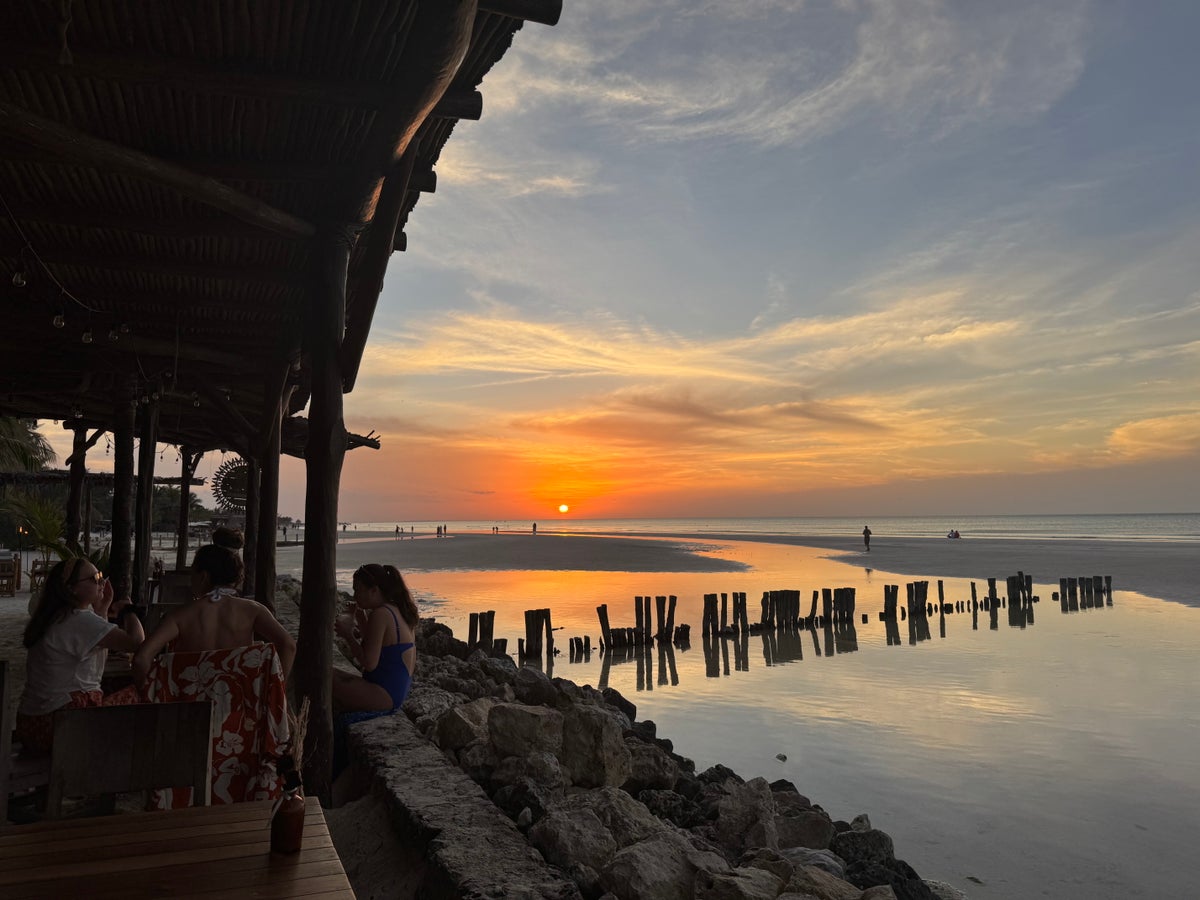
{"x": 660, "y": 603}
{"x": 724, "y": 612}
{"x": 473, "y": 631}
{"x": 602, "y": 614}
{"x": 670, "y": 618}
{"x": 1108, "y": 590}
{"x": 637, "y": 615}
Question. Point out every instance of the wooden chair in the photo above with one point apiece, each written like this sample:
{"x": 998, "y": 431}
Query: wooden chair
{"x": 114, "y": 749}
{"x": 21, "y": 772}
{"x": 10, "y": 575}
{"x": 37, "y": 574}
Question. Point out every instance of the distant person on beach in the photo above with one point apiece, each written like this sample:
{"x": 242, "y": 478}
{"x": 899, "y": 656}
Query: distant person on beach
{"x": 217, "y": 618}
{"x": 397, "y": 532}
{"x": 68, "y": 639}
{"x": 379, "y": 632}
{"x": 535, "y": 527}
{"x": 867, "y": 538}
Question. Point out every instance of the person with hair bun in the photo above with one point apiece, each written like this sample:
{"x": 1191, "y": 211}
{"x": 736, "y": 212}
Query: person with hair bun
{"x": 379, "y": 633}
{"x": 217, "y": 619}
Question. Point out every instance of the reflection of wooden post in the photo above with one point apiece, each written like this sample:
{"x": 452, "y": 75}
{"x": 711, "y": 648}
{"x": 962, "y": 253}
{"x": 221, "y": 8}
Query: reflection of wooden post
{"x": 708, "y": 619}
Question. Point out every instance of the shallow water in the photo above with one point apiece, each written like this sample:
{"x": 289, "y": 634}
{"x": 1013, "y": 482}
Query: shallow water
{"x": 1055, "y": 760}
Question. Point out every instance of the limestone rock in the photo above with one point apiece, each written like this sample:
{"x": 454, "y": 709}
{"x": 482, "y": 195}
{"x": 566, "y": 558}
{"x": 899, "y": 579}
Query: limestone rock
{"x": 478, "y": 760}
{"x": 822, "y": 859}
{"x": 533, "y": 687}
{"x": 769, "y": 860}
{"x": 613, "y": 698}
{"x": 518, "y": 730}
{"x": 672, "y": 807}
{"x": 650, "y": 768}
{"x": 740, "y": 884}
{"x": 879, "y": 892}
{"x": 860, "y": 823}
{"x": 943, "y": 891}
{"x": 814, "y": 882}
{"x": 626, "y": 820}
{"x": 864, "y": 846}
{"x": 540, "y": 767}
{"x": 746, "y": 817}
{"x": 568, "y": 837}
{"x": 899, "y": 875}
{"x": 593, "y": 752}
{"x": 804, "y": 828}
{"x": 663, "y": 867}
{"x": 464, "y": 724}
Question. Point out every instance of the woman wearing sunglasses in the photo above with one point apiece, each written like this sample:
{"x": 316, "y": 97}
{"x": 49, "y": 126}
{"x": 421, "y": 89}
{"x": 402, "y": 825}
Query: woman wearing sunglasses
{"x": 68, "y": 639}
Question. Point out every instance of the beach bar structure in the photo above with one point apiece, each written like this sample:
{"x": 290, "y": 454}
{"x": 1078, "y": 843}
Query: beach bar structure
{"x": 198, "y": 205}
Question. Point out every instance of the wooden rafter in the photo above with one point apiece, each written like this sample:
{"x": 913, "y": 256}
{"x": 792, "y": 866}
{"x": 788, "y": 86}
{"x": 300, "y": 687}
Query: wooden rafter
{"x": 62, "y": 140}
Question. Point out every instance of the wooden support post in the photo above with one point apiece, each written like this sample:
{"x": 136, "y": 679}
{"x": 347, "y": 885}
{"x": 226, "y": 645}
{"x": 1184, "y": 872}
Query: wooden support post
{"x": 253, "y": 498}
{"x": 79, "y": 446}
{"x": 120, "y": 558}
{"x": 144, "y": 503}
{"x": 1108, "y": 597}
{"x": 826, "y": 605}
{"x": 473, "y": 631}
{"x": 724, "y": 612}
{"x": 324, "y": 454}
{"x": 268, "y": 495}
{"x": 660, "y": 603}
{"x": 188, "y": 460}
{"x": 549, "y": 633}
{"x": 671, "y": 599}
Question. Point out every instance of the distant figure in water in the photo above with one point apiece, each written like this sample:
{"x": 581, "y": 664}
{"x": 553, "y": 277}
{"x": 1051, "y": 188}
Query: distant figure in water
{"x": 953, "y": 533}
{"x": 535, "y": 527}
{"x": 867, "y": 538}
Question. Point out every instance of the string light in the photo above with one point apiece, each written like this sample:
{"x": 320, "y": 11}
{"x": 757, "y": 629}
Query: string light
{"x": 87, "y": 335}
{"x": 59, "y": 321}
{"x": 19, "y": 280}
{"x": 113, "y": 334}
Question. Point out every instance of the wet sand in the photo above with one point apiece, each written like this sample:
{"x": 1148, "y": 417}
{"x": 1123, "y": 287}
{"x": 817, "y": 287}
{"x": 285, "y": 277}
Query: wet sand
{"x": 1162, "y": 570}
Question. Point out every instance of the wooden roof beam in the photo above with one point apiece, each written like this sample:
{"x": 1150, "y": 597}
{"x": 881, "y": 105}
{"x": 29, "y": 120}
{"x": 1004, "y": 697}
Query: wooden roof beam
{"x": 61, "y": 140}
{"x": 108, "y": 220}
{"x": 142, "y": 265}
{"x": 544, "y": 12}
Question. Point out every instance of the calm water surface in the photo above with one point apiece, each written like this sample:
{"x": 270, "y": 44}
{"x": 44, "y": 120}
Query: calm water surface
{"x": 1055, "y": 760}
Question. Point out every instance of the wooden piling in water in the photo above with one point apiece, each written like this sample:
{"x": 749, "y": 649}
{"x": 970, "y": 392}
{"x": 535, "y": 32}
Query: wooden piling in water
{"x": 605, "y": 635}
{"x": 724, "y": 612}
{"x": 473, "y": 631}
{"x": 1108, "y": 590}
{"x": 660, "y": 604}
{"x": 671, "y": 617}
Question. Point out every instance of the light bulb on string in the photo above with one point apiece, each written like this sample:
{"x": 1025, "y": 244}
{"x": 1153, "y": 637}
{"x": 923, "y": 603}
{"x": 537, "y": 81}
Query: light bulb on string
{"x": 113, "y": 334}
{"x": 19, "y": 280}
{"x": 87, "y": 335}
{"x": 59, "y": 321}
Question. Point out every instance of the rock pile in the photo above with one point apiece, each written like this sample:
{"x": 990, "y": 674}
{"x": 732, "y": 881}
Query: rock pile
{"x": 610, "y": 803}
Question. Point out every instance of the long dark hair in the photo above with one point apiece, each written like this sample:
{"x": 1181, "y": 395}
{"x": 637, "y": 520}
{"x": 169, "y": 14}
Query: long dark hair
{"x": 391, "y": 584}
{"x": 57, "y": 599}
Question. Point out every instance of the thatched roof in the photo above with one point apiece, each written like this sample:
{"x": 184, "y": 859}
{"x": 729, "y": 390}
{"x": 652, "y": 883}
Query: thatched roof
{"x": 166, "y": 169}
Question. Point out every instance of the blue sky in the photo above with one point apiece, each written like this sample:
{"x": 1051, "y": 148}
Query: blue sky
{"x": 778, "y": 257}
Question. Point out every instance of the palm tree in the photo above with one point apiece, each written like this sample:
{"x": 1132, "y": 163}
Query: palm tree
{"x": 22, "y": 446}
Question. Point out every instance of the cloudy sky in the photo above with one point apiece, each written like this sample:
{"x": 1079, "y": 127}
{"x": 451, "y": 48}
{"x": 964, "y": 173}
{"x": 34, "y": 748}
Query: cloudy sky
{"x": 778, "y": 257}
{"x": 787, "y": 257}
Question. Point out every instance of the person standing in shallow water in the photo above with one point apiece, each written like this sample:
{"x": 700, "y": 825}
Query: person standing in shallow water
{"x": 867, "y": 538}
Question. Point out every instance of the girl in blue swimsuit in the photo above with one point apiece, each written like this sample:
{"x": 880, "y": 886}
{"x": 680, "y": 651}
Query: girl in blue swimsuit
{"x": 380, "y": 635}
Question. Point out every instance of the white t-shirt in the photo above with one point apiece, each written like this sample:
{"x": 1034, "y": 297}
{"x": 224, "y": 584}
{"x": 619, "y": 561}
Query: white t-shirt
{"x": 66, "y": 659}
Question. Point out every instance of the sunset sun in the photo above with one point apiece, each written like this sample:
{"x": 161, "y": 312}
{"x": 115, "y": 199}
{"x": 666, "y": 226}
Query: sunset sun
{"x": 562, "y": 507}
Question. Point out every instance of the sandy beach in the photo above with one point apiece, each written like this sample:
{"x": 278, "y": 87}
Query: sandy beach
{"x": 1162, "y": 570}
